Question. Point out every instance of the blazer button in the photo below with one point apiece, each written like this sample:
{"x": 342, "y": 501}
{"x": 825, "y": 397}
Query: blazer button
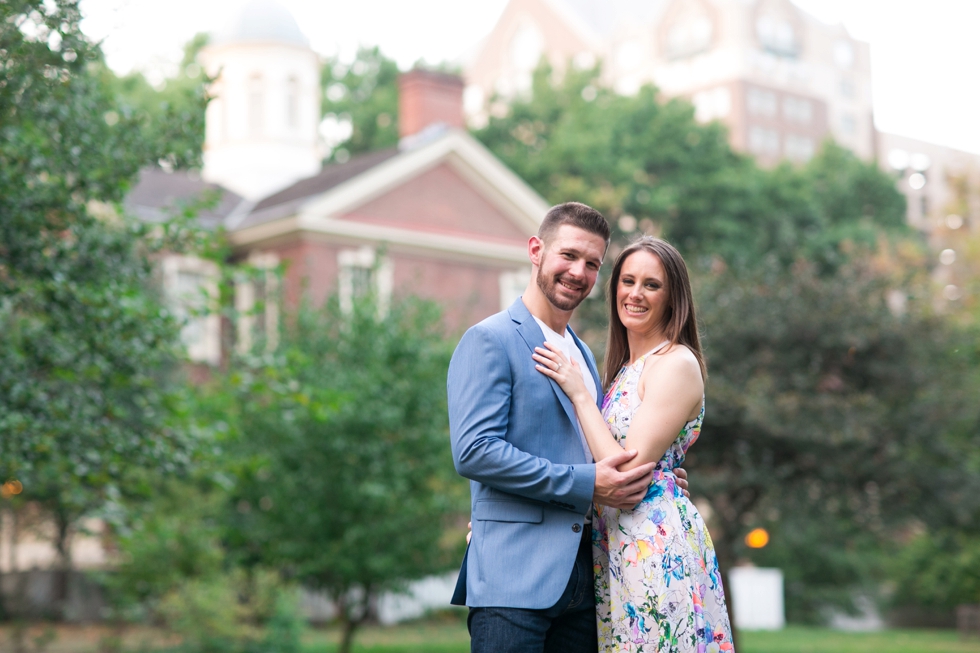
{"x": 576, "y": 528}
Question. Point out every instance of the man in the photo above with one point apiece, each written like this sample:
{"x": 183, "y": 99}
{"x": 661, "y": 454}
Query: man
{"x": 527, "y": 574}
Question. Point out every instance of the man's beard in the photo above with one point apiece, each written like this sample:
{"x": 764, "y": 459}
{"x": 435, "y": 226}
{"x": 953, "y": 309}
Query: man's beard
{"x": 550, "y": 289}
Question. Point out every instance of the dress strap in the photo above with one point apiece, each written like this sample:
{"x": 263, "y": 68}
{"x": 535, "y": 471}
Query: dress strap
{"x": 653, "y": 351}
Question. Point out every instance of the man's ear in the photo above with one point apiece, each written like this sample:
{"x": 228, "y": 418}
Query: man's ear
{"x": 534, "y": 248}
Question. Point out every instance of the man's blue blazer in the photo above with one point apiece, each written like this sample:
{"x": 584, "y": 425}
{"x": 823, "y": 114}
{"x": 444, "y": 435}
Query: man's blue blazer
{"x": 515, "y": 436}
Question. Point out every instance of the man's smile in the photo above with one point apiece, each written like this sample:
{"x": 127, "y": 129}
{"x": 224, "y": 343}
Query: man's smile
{"x": 570, "y": 286}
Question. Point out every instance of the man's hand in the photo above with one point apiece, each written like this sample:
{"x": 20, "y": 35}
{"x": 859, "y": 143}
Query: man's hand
{"x": 681, "y": 475}
{"x": 622, "y": 490}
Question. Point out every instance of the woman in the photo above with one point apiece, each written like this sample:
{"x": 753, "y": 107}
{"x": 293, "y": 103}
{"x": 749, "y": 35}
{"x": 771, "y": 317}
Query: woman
{"x": 657, "y": 582}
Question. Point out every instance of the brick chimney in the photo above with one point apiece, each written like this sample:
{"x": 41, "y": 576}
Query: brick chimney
{"x": 426, "y": 97}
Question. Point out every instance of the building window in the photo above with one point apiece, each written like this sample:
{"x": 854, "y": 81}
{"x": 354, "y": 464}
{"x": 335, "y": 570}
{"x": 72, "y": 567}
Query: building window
{"x": 777, "y": 36}
{"x": 712, "y": 104}
{"x": 848, "y": 125}
{"x": 363, "y": 273}
{"x": 512, "y": 285}
{"x": 798, "y": 148}
{"x": 843, "y": 54}
{"x": 191, "y": 287}
{"x": 292, "y": 103}
{"x": 797, "y": 110}
{"x": 256, "y": 106}
{"x": 689, "y": 37}
{"x": 847, "y": 88}
{"x": 761, "y": 103}
{"x": 257, "y": 303}
{"x": 763, "y": 141}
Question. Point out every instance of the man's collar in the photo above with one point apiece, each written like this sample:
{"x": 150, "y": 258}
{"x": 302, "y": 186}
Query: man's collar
{"x": 520, "y": 314}
{"x": 518, "y": 311}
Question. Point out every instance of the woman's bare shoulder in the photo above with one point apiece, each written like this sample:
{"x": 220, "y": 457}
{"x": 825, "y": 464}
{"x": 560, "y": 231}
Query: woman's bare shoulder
{"x": 679, "y": 356}
{"x": 676, "y": 362}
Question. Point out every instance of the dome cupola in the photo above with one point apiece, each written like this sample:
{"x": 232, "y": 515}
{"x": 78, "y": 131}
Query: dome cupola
{"x": 261, "y": 125}
{"x": 262, "y": 21}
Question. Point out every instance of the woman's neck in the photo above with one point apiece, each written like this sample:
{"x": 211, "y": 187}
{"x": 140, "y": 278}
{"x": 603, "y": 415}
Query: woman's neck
{"x": 641, "y": 343}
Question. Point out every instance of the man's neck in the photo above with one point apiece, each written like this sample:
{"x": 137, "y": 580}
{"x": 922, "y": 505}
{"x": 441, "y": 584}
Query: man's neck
{"x": 539, "y": 306}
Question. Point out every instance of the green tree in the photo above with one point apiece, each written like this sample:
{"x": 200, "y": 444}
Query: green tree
{"x": 363, "y": 95}
{"x": 89, "y": 351}
{"x": 630, "y": 156}
{"x": 647, "y": 163}
{"x": 170, "y": 117}
{"x": 173, "y": 569}
{"x": 939, "y": 569}
{"x": 826, "y": 207}
{"x": 826, "y": 402}
{"x": 344, "y": 476}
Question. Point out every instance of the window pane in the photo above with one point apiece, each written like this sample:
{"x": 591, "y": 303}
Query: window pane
{"x": 361, "y": 281}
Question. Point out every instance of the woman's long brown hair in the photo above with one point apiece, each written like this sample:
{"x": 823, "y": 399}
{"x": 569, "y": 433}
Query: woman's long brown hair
{"x": 680, "y": 324}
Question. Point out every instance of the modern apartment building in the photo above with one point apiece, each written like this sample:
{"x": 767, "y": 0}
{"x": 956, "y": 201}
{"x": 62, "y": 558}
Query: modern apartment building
{"x": 780, "y": 79}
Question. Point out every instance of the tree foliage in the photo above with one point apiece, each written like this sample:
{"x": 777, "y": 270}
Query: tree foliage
{"x": 344, "y": 475}
{"x": 645, "y": 162}
{"x": 361, "y": 96}
{"x": 170, "y": 116}
{"x": 89, "y": 350}
{"x": 172, "y": 568}
{"x": 827, "y": 402}
{"x": 938, "y": 569}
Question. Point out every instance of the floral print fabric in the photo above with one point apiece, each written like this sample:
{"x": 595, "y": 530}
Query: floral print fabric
{"x": 657, "y": 584}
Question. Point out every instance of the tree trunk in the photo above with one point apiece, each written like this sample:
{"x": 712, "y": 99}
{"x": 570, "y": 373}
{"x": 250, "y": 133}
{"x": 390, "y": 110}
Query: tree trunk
{"x": 352, "y": 614}
{"x": 63, "y": 538}
{"x": 348, "y": 623}
{"x": 8, "y": 533}
{"x": 724, "y": 550}
{"x": 347, "y": 636}
{"x": 18, "y": 633}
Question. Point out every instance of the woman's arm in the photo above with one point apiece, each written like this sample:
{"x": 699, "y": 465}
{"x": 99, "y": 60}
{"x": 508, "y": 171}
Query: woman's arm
{"x": 672, "y": 388}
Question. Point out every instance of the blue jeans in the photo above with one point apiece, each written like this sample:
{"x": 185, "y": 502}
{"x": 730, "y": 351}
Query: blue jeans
{"x": 566, "y": 627}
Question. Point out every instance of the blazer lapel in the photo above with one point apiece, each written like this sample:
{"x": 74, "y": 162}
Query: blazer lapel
{"x": 533, "y": 337}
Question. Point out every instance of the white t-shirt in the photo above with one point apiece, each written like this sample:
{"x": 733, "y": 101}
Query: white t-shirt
{"x": 568, "y": 347}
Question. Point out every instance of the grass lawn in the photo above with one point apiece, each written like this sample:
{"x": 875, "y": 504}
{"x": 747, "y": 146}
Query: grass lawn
{"x": 452, "y": 638}
{"x": 798, "y": 639}
{"x": 448, "y": 636}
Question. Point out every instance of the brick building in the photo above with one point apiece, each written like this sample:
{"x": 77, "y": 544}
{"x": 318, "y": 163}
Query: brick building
{"x": 438, "y": 216}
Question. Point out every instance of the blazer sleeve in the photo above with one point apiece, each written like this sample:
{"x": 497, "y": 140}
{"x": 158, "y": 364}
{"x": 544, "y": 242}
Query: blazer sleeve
{"x": 480, "y": 389}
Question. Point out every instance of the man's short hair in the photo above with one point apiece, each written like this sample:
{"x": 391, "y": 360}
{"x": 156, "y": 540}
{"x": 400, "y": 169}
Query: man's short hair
{"x": 575, "y": 214}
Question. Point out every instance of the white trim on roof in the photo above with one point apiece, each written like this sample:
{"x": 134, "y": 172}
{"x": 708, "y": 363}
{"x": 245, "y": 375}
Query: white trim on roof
{"x": 350, "y": 231}
{"x": 456, "y": 148}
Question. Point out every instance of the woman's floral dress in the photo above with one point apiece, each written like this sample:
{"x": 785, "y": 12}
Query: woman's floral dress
{"x": 657, "y": 583}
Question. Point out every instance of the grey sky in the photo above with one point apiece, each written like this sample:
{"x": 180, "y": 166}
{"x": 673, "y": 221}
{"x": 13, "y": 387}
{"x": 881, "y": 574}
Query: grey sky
{"x": 924, "y": 55}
